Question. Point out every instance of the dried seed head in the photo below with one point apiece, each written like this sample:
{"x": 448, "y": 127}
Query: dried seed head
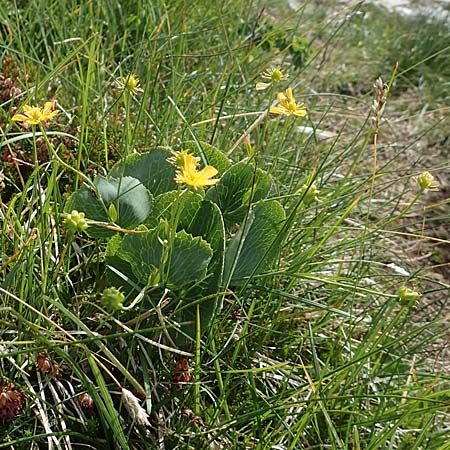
{"x": 379, "y": 101}
{"x": 45, "y": 364}
{"x": 135, "y": 410}
{"x": 379, "y": 85}
{"x": 12, "y": 401}
{"x": 85, "y": 401}
{"x": 182, "y": 372}
{"x": 193, "y": 418}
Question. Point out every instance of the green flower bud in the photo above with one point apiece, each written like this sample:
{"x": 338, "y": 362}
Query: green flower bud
{"x": 277, "y": 75}
{"x": 75, "y": 222}
{"x": 407, "y": 296}
{"x": 310, "y": 194}
{"x": 112, "y": 299}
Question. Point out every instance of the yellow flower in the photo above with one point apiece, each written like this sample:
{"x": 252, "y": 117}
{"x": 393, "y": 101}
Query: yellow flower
{"x": 196, "y": 178}
{"x": 187, "y": 172}
{"x": 427, "y": 182}
{"x": 130, "y": 83}
{"x": 184, "y": 160}
{"x": 33, "y": 115}
{"x": 288, "y": 106}
{"x": 274, "y": 75}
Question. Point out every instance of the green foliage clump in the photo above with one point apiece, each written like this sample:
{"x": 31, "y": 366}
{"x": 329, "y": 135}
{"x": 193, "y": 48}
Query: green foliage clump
{"x": 173, "y": 226}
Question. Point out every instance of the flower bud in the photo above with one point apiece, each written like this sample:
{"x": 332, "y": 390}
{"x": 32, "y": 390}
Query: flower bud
{"x": 75, "y": 222}
{"x": 112, "y": 299}
{"x": 426, "y": 182}
{"x": 310, "y": 194}
{"x": 407, "y": 296}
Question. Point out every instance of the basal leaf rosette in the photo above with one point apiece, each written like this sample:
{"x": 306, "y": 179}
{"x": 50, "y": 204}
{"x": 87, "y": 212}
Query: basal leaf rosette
{"x": 178, "y": 212}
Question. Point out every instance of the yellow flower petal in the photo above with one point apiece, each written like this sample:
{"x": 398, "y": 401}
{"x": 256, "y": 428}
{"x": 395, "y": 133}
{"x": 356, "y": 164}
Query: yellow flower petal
{"x": 208, "y": 172}
{"x": 281, "y": 97}
{"x": 288, "y": 106}
{"x": 276, "y": 110}
{"x": 48, "y": 106}
{"x": 300, "y": 113}
{"x": 187, "y": 172}
{"x": 289, "y": 96}
{"x": 28, "y": 108}
{"x": 190, "y": 162}
{"x": 19, "y": 118}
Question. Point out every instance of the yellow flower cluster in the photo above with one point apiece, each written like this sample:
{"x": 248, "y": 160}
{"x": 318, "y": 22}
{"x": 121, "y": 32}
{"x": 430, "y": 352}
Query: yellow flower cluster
{"x": 33, "y": 115}
{"x": 287, "y": 105}
{"x": 187, "y": 172}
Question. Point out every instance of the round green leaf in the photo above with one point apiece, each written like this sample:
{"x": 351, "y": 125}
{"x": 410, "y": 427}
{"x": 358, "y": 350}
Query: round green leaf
{"x": 175, "y": 205}
{"x": 179, "y": 260}
{"x": 125, "y": 198}
{"x": 254, "y": 247}
{"x": 151, "y": 168}
{"x": 238, "y": 186}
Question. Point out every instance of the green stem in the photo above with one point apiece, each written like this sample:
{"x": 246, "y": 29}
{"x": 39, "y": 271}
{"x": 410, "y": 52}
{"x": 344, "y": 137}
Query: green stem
{"x": 126, "y": 99}
{"x": 64, "y": 164}
{"x": 35, "y": 157}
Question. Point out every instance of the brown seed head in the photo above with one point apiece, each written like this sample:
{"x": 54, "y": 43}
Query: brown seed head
{"x": 45, "y": 364}
{"x": 86, "y": 401}
{"x": 12, "y": 401}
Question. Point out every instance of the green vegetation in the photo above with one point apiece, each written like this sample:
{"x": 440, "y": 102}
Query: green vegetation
{"x": 188, "y": 262}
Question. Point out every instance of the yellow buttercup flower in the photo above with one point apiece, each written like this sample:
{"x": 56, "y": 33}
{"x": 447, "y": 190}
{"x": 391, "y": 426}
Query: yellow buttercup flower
{"x": 196, "y": 178}
{"x": 274, "y": 75}
{"x": 33, "y": 115}
{"x": 427, "y": 182}
{"x": 130, "y": 83}
{"x": 288, "y": 106}
{"x": 187, "y": 172}
{"x": 184, "y": 160}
